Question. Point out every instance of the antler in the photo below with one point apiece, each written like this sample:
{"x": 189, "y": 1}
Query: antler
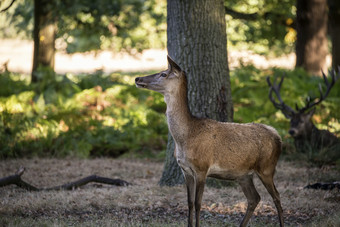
{"x": 323, "y": 96}
{"x": 286, "y": 110}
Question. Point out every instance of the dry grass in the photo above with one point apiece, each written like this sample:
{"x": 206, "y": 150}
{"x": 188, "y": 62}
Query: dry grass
{"x": 146, "y": 204}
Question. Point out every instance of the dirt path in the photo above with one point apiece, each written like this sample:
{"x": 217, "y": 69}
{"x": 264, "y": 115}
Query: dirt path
{"x": 19, "y": 54}
{"x": 146, "y": 204}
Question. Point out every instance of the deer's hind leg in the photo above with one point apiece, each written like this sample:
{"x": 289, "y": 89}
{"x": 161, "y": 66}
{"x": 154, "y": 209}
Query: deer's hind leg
{"x": 252, "y": 195}
{"x": 268, "y": 182}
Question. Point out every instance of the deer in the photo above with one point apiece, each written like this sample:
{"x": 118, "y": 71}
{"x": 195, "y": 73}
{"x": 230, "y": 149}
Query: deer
{"x": 302, "y": 129}
{"x": 208, "y": 148}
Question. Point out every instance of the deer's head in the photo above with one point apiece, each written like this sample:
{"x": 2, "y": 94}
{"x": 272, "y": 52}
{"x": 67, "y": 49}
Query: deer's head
{"x": 301, "y": 124}
{"x": 164, "y": 82}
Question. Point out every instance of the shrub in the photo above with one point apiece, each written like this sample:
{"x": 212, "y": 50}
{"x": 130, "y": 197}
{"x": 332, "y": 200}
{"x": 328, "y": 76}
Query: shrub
{"x": 68, "y": 115}
{"x": 106, "y": 115}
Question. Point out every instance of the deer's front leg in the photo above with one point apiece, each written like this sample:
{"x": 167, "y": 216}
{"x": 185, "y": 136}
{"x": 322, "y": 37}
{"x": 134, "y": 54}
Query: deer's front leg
{"x": 190, "y": 183}
{"x": 200, "y": 182}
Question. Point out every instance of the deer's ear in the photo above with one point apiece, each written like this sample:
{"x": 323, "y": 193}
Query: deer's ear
{"x": 173, "y": 65}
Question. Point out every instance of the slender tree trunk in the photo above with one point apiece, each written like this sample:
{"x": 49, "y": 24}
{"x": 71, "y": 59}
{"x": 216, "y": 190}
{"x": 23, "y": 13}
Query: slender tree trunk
{"x": 334, "y": 23}
{"x": 44, "y": 36}
{"x": 197, "y": 42}
{"x": 311, "y": 44}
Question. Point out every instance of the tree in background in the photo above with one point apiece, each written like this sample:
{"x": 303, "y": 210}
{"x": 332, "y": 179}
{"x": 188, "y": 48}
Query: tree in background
{"x": 44, "y": 35}
{"x": 312, "y": 42}
{"x": 197, "y": 41}
{"x": 84, "y": 25}
{"x": 272, "y": 25}
{"x": 334, "y": 22}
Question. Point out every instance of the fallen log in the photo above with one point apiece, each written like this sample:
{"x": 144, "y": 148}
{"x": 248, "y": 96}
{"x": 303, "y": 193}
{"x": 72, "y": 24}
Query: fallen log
{"x": 324, "y": 186}
{"x": 16, "y": 180}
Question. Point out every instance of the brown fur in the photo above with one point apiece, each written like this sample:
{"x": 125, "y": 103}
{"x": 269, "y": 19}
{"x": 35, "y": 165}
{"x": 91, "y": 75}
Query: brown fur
{"x": 205, "y": 147}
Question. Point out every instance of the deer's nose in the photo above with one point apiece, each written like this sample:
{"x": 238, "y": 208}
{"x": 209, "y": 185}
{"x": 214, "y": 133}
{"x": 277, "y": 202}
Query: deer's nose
{"x": 137, "y": 79}
{"x": 291, "y": 132}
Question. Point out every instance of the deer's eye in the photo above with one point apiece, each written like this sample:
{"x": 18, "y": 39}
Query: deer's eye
{"x": 163, "y": 75}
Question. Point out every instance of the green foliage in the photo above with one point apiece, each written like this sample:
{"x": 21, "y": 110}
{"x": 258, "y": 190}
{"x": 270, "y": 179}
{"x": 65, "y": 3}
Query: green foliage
{"x": 85, "y": 25}
{"x": 106, "y": 115}
{"x": 83, "y": 115}
{"x": 17, "y": 21}
{"x": 271, "y": 31}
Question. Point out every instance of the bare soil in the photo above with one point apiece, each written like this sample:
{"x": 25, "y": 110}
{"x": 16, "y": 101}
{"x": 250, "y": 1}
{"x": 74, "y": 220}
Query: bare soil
{"x": 144, "y": 203}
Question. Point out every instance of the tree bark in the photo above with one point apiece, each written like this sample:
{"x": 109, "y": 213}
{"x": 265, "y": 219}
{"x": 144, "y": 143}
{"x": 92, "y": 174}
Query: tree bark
{"x": 44, "y": 36}
{"x": 334, "y": 24}
{"x": 197, "y": 41}
{"x": 311, "y": 44}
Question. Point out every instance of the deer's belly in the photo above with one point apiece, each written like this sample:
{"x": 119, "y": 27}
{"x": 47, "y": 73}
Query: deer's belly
{"x": 227, "y": 173}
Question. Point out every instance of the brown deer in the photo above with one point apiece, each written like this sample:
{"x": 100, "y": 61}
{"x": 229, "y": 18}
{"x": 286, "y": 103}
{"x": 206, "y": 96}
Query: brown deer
{"x": 305, "y": 134}
{"x": 207, "y": 148}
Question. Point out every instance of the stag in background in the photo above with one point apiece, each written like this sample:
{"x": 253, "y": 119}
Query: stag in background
{"x": 306, "y": 135}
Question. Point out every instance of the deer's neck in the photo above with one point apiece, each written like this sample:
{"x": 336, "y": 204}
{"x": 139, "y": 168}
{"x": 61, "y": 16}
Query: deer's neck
{"x": 178, "y": 113}
{"x": 312, "y": 133}
{"x": 309, "y": 137}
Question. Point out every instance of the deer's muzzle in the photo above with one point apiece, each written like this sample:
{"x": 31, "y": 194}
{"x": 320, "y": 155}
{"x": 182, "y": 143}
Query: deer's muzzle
{"x": 139, "y": 82}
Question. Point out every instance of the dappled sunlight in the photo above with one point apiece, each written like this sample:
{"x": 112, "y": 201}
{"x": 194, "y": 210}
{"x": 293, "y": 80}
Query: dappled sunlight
{"x": 226, "y": 208}
{"x": 18, "y": 103}
{"x": 19, "y": 54}
{"x": 79, "y": 112}
{"x": 80, "y": 115}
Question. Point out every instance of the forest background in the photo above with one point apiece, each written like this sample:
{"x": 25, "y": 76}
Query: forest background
{"x": 101, "y": 113}
{"x": 77, "y": 103}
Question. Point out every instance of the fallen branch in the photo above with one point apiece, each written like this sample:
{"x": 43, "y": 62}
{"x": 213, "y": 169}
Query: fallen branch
{"x": 86, "y": 180}
{"x": 324, "y": 186}
{"x": 9, "y": 6}
{"x": 16, "y": 179}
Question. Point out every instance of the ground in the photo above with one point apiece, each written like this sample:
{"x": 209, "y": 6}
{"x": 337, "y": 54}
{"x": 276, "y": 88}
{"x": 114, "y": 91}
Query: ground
{"x": 144, "y": 203}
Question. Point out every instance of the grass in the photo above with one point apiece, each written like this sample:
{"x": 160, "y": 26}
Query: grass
{"x": 147, "y": 204}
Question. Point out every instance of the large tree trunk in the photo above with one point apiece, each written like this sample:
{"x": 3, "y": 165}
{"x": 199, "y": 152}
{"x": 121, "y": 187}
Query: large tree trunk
{"x": 311, "y": 44}
{"x": 334, "y": 22}
{"x": 44, "y": 36}
{"x": 197, "y": 42}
